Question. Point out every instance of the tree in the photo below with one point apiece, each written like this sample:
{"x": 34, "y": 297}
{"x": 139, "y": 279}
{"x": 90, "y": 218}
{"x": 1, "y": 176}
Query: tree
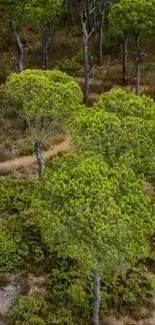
{"x": 137, "y": 16}
{"x": 31, "y": 12}
{"x": 102, "y": 7}
{"x": 45, "y": 95}
{"x": 121, "y": 127}
{"x": 85, "y": 36}
{"x": 88, "y": 212}
{"x": 40, "y": 13}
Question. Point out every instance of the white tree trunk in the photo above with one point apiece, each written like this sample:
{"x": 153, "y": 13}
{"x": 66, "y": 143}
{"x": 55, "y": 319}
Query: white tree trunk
{"x": 40, "y": 159}
{"x": 97, "y": 299}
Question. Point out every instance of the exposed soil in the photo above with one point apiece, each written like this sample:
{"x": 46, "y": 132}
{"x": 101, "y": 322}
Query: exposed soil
{"x": 25, "y": 161}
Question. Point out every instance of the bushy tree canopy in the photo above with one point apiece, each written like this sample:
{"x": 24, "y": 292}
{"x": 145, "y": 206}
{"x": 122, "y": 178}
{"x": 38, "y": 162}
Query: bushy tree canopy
{"x": 121, "y": 127}
{"x": 43, "y": 93}
{"x": 89, "y": 212}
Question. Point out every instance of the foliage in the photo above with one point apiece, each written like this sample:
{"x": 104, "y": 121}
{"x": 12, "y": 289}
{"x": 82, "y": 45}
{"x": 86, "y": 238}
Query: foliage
{"x": 20, "y": 239}
{"x": 90, "y": 212}
{"x": 135, "y": 290}
{"x": 121, "y": 127}
{"x": 10, "y": 257}
{"x": 26, "y": 149}
{"x": 16, "y": 196}
{"x": 31, "y": 11}
{"x": 69, "y": 65}
{"x": 43, "y": 97}
{"x": 43, "y": 93}
{"x": 68, "y": 284}
{"x": 29, "y": 311}
{"x": 137, "y": 15}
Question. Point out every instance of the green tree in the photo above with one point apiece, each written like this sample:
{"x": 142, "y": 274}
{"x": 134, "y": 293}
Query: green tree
{"x": 40, "y": 13}
{"x": 94, "y": 215}
{"x": 46, "y": 96}
{"x": 29, "y": 311}
{"x": 31, "y": 12}
{"x": 137, "y": 16}
{"x": 120, "y": 126}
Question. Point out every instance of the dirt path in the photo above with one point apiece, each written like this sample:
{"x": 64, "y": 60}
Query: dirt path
{"x": 25, "y": 161}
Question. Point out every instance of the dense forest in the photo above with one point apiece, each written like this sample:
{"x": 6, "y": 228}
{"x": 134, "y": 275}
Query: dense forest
{"x": 77, "y": 162}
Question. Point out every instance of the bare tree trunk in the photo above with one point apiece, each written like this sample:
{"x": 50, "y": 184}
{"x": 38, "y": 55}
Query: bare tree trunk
{"x": 18, "y": 59}
{"x": 20, "y": 52}
{"x": 87, "y": 66}
{"x": 46, "y": 32}
{"x": 97, "y": 292}
{"x": 93, "y": 11}
{"x": 102, "y": 16}
{"x": 154, "y": 94}
{"x": 88, "y": 15}
{"x": 138, "y": 64}
{"x": 40, "y": 159}
{"x": 125, "y": 55}
{"x": 68, "y": 15}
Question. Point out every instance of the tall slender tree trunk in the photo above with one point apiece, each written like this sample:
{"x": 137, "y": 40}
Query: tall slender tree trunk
{"x": 68, "y": 15}
{"x": 20, "y": 51}
{"x": 125, "y": 55}
{"x": 19, "y": 66}
{"x": 86, "y": 68}
{"x": 138, "y": 65}
{"x": 101, "y": 25}
{"x": 97, "y": 299}
{"x": 93, "y": 15}
{"x": 88, "y": 4}
{"x": 46, "y": 32}
{"x": 40, "y": 159}
{"x": 87, "y": 65}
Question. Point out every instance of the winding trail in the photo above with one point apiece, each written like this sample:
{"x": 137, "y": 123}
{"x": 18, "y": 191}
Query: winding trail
{"x": 25, "y": 161}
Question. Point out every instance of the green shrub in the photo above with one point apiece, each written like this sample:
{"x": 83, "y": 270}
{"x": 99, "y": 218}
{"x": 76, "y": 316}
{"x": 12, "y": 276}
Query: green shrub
{"x": 69, "y": 293}
{"x": 29, "y": 311}
{"x": 10, "y": 257}
{"x": 132, "y": 292}
{"x": 69, "y": 65}
{"x": 16, "y": 196}
{"x": 20, "y": 238}
{"x": 26, "y": 149}
{"x": 79, "y": 57}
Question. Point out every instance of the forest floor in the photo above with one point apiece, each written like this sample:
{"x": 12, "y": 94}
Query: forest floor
{"x": 29, "y": 160}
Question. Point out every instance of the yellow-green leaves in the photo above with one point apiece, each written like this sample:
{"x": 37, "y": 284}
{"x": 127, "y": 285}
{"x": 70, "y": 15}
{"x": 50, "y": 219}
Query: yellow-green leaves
{"x": 138, "y": 15}
{"x": 90, "y": 212}
{"x": 121, "y": 127}
{"x": 38, "y": 94}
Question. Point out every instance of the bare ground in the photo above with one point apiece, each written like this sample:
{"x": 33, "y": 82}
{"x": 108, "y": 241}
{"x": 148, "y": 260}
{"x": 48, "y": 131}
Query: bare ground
{"x": 26, "y": 161}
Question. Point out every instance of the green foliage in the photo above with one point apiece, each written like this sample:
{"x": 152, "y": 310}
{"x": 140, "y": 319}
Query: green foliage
{"x": 125, "y": 104}
{"x": 79, "y": 57}
{"x": 121, "y": 127}
{"x": 31, "y": 11}
{"x": 137, "y": 15}
{"x": 26, "y": 149}
{"x": 10, "y": 257}
{"x": 90, "y": 212}
{"x": 43, "y": 94}
{"x": 69, "y": 65}
{"x": 20, "y": 239}
{"x": 68, "y": 284}
{"x": 16, "y": 196}
{"x": 135, "y": 290}
{"x": 29, "y": 311}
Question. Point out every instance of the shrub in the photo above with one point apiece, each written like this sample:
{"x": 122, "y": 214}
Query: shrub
{"x": 29, "y": 311}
